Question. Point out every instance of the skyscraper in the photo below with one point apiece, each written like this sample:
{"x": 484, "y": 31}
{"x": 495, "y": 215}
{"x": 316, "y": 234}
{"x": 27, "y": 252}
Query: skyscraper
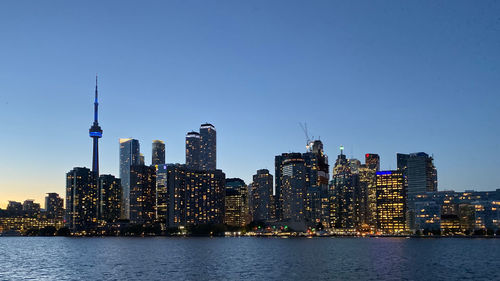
{"x": 293, "y": 193}
{"x": 129, "y": 155}
{"x": 109, "y": 198}
{"x": 193, "y": 150}
{"x": 142, "y": 194}
{"x": 81, "y": 199}
{"x": 391, "y": 202}
{"x": 195, "y": 197}
{"x": 95, "y": 133}
{"x": 345, "y": 195}
{"x": 161, "y": 193}
{"x": 236, "y": 203}
{"x": 261, "y": 195}
{"x": 208, "y": 147}
{"x": 158, "y": 155}
{"x": 54, "y": 206}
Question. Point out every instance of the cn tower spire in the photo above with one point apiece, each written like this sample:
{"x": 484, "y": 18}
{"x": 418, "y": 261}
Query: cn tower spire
{"x": 95, "y": 133}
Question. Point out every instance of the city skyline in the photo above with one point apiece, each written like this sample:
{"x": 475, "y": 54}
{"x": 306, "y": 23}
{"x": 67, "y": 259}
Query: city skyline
{"x": 352, "y": 91}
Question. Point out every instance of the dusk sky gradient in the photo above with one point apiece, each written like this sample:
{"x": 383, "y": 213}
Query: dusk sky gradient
{"x": 375, "y": 76}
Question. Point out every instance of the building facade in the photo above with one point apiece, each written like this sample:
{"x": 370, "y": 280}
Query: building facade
{"x": 129, "y": 156}
{"x": 158, "y": 152}
{"x": 81, "y": 200}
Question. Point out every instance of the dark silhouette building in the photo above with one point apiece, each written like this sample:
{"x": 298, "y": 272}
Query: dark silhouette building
{"x": 54, "y": 206}
{"x": 109, "y": 198}
{"x": 261, "y": 196}
{"x": 208, "y": 147}
{"x": 158, "y": 153}
{"x": 193, "y": 150}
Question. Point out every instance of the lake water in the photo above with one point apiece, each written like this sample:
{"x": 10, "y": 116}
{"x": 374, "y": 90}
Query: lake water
{"x": 246, "y": 258}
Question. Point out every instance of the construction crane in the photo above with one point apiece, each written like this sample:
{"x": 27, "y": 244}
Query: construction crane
{"x": 309, "y": 141}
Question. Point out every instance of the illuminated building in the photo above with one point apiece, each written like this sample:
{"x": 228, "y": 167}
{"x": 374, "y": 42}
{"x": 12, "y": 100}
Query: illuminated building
{"x": 193, "y": 150}
{"x": 109, "y": 198}
{"x": 391, "y": 202}
{"x": 81, "y": 199}
{"x": 261, "y": 194}
{"x": 194, "y": 197}
{"x": 129, "y": 155}
{"x": 368, "y": 185}
{"x": 236, "y": 203}
{"x": 317, "y": 178}
{"x": 278, "y": 164}
{"x": 54, "y": 206}
{"x": 161, "y": 193}
{"x": 158, "y": 153}
{"x": 208, "y": 147}
{"x": 311, "y": 185}
{"x": 142, "y": 194}
{"x": 293, "y": 193}
{"x": 345, "y": 196}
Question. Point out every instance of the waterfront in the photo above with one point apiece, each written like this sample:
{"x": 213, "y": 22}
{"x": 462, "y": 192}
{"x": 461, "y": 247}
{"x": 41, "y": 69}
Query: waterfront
{"x": 246, "y": 258}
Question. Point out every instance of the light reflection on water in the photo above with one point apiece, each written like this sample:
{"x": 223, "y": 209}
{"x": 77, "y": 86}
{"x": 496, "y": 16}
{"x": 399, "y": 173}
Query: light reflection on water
{"x": 159, "y": 258}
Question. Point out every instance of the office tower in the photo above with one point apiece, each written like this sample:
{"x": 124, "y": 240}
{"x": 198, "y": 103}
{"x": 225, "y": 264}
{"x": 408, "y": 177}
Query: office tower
{"x": 261, "y": 195}
{"x": 95, "y": 133}
{"x": 317, "y": 178}
{"x": 345, "y": 195}
{"x": 142, "y": 194}
{"x": 391, "y": 202}
{"x": 129, "y": 155}
{"x": 278, "y": 177}
{"x": 422, "y": 175}
{"x": 372, "y": 161}
{"x": 193, "y": 152}
{"x": 368, "y": 186}
{"x": 236, "y": 203}
{"x": 208, "y": 147}
{"x": 402, "y": 162}
{"x": 161, "y": 193}
{"x": 81, "y": 199}
{"x": 293, "y": 193}
{"x": 158, "y": 153}
{"x": 109, "y": 198}
{"x": 195, "y": 197}
{"x": 54, "y": 206}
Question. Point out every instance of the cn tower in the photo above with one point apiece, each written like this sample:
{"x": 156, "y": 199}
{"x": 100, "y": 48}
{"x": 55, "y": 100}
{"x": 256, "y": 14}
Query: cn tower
{"x": 95, "y": 133}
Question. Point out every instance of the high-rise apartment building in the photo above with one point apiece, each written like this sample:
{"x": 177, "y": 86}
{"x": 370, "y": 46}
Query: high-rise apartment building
{"x": 129, "y": 156}
{"x": 208, "y": 147}
{"x": 193, "y": 147}
{"x": 142, "y": 194}
{"x": 110, "y": 201}
{"x": 54, "y": 206}
{"x": 81, "y": 199}
{"x": 194, "y": 197}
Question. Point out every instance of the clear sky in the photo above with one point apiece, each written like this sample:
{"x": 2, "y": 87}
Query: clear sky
{"x": 375, "y": 76}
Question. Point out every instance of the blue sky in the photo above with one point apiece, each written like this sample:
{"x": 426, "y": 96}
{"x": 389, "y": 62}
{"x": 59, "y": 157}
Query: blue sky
{"x": 375, "y": 76}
